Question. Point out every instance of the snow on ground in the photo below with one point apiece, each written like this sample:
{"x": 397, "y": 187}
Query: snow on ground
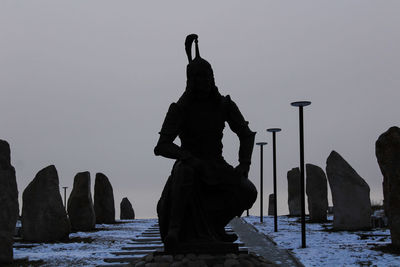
{"x": 328, "y": 248}
{"x": 85, "y": 248}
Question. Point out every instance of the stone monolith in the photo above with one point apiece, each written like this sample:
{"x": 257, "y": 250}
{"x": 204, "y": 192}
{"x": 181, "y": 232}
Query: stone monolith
{"x": 80, "y": 205}
{"x": 350, "y": 195}
{"x": 294, "y": 194}
{"x": 8, "y": 203}
{"x": 43, "y": 214}
{"x": 387, "y": 150}
{"x": 271, "y": 205}
{"x": 317, "y": 193}
{"x": 127, "y": 212}
{"x": 103, "y": 200}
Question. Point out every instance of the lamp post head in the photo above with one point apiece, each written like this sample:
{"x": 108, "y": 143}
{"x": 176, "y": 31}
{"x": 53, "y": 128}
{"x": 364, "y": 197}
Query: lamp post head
{"x": 274, "y": 130}
{"x": 261, "y": 143}
{"x": 300, "y": 103}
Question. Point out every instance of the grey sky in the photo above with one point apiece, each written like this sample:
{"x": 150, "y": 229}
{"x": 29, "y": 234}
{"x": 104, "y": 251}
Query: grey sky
{"x": 85, "y": 85}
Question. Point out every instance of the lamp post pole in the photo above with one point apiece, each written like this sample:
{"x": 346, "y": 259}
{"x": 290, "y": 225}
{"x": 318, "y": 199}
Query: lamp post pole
{"x": 274, "y": 131}
{"x": 300, "y": 105}
{"x": 261, "y": 144}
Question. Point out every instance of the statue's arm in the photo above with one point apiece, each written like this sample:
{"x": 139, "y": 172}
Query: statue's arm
{"x": 240, "y": 126}
{"x": 169, "y": 131}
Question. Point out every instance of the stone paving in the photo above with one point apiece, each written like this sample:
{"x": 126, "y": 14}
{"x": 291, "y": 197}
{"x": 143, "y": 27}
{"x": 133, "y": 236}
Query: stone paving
{"x": 255, "y": 249}
{"x": 262, "y": 245}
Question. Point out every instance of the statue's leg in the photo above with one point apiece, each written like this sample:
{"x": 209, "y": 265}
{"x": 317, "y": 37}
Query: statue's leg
{"x": 181, "y": 190}
{"x": 236, "y": 198}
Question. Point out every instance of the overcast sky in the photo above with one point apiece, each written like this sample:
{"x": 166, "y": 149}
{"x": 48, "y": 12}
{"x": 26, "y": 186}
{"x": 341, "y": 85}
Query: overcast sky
{"x": 85, "y": 85}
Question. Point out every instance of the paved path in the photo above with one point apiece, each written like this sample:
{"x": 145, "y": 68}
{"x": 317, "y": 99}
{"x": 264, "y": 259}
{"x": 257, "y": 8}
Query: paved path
{"x": 263, "y": 245}
{"x": 250, "y": 239}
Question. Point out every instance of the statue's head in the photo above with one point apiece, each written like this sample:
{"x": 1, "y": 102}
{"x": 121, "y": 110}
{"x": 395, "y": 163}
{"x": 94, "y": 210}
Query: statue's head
{"x": 200, "y": 76}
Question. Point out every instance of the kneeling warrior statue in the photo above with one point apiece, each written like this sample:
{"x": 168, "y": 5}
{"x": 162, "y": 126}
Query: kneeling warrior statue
{"x": 203, "y": 192}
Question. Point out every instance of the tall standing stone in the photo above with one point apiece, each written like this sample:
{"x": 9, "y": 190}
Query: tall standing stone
{"x": 103, "y": 200}
{"x": 43, "y": 214}
{"x": 317, "y": 193}
{"x": 80, "y": 204}
{"x": 271, "y": 205}
{"x": 350, "y": 195}
{"x": 127, "y": 212}
{"x": 294, "y": 194}
{"x": 387, "y": 150}
{"x": 8, "y": 203}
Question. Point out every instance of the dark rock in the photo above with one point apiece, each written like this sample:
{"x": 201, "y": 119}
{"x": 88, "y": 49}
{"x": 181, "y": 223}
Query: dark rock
{"x": 317, "y": 193}
{"x": 127, "y": 212}
{"x": 8, "y": 203}
{"x": 80, "y": 204}
{"x": 271, "y": 205}
{"x": 294, "y": 194}
{"x": 350, "y": 195}
{"x": 387, "y": 150}
{"x": 103, "y": 200}
{"x": 43, "y": 214}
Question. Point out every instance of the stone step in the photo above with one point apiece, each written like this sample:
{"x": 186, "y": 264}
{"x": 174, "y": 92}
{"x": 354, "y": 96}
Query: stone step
{"x": 143, "y": 248}
{"x": 133, "y": 252}
{"x": 132, "y": 259}
{"x": 150, "y": 234}
{"x": 146, "y": 240}
{"x": 142, "y": 243}
{"x": 114, "y": 265}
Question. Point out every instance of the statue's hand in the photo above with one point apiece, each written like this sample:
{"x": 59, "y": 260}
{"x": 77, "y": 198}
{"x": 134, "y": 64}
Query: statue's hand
{"x": 243, "y": 170}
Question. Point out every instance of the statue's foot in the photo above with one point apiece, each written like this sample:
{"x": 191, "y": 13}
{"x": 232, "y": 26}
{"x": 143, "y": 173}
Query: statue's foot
{"x": 171, "y": 240}
{"x": 224, "y": 237}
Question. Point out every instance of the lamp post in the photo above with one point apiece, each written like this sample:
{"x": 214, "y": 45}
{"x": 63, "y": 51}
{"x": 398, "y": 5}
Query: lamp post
{"x": 300, "y": 105}
{"x": 261, "y": 144}
{"x": 65, "y": 197}
{"x": 274, "y": 131}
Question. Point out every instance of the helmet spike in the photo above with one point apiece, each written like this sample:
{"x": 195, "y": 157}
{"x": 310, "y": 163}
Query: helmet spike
{"x": 188, "y": 46}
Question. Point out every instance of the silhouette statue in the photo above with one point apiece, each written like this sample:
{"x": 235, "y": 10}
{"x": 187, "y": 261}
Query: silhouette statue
{"x": 203, "y": 192}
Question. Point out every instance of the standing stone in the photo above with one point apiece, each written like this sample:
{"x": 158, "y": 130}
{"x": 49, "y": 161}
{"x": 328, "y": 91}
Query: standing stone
{"x": 43, "y": 214}
{"x": 294, "y": 194}
{"x": 127, "y": 212}
{"x": 317, "y": 193}
{"x": 387, "y": 150}
{"x": 80, "y": 204}
{"x": 103, "y": 200}
{"x": 8, "y": 203}
{"x": 350, "y": 195}
{"x": 271, "y": 205}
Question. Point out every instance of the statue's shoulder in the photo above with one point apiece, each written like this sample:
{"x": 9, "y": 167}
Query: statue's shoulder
{"x": 174, "y": 109}
{"x": 226, "y": 101}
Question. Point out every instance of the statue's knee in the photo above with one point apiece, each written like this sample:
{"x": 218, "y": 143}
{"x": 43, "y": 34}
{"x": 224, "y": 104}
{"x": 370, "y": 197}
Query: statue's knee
{"x": 249, "y": 192}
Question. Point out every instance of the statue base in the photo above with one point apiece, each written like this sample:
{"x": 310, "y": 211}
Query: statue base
{"x": 202, "y": 248}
